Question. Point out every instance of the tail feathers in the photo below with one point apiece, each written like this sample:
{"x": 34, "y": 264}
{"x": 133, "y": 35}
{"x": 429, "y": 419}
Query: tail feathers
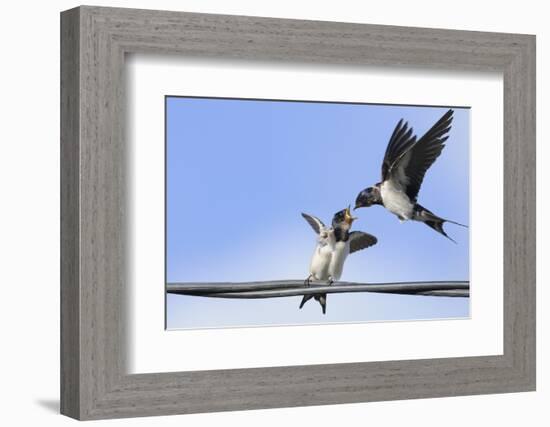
{"x": 305, "y": 299}
{"x": 437, "y": 225}
{"x": 321, "y": 298}
{"x": 433, "y": 221}
{"x": 455, "y": 223}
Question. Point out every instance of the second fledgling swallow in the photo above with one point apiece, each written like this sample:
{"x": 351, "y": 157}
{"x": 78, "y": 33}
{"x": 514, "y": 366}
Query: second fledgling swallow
{"x": 320, "y": 261}
{"x": 405, "y": 163}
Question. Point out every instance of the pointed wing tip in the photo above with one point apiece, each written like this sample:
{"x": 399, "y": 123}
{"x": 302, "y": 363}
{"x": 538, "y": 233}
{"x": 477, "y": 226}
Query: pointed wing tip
{"x": 373, "y": 239}
{"x": 367, "y": 241}
{"x": 308, "y": 217}
{"x": 314, "y": 222}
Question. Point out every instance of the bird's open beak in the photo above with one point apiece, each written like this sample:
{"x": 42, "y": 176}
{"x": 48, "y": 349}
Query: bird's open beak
{"x": 348, "y": 217}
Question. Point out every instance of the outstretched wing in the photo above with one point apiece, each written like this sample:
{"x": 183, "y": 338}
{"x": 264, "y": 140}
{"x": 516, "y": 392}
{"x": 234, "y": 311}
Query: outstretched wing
{"x": 424, "y": 153}
{"x": 359, "y": 240}
{"x": 401, "y": 141}
{"x": 408, "y": 160}
{"x": 315, "y": 222}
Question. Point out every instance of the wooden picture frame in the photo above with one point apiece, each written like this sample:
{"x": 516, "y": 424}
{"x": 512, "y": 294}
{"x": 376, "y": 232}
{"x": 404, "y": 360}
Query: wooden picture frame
{"x": 94, "y": 382}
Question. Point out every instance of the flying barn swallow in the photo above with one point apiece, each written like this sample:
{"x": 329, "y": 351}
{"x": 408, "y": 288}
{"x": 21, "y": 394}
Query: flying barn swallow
{"x": 405, "y": 163}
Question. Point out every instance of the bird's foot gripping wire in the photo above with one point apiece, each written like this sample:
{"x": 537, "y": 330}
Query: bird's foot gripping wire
{"x": 307, "y": 281}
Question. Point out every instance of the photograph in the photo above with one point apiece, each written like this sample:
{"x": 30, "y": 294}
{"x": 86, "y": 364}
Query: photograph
{"x": 268, "y": 201}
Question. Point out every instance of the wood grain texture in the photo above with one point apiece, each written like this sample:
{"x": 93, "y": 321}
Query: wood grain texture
{"x": 70, "y": 221}
{"x": 94, "y": 381}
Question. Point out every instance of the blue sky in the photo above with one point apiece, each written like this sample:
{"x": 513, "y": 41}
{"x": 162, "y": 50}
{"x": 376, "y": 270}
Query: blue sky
{"x": 240, "y": 172}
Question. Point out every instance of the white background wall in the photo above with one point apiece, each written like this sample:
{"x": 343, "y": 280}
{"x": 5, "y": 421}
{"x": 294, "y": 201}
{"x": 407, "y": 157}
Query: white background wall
{"x": 29, "y": 212}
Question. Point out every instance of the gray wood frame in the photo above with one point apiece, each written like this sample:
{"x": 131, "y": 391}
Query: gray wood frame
{"x": 94, "y": 383}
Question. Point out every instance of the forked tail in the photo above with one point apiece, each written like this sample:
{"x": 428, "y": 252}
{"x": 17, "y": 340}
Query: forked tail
{"x": 433, "y": 221}
{"x": 322, "y": 298}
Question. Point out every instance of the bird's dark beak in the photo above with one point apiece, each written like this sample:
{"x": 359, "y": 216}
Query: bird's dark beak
{"x": 362, "y": 200}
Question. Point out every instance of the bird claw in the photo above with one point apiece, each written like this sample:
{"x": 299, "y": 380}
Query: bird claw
{"x": 307, "y": 281}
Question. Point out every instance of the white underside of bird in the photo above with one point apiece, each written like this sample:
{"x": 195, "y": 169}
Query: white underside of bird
{"x": 396, "y": 200}
{"x": 339, "y": 255}
{"x": 328, "y": 259}
{"x": 321, "y": 260}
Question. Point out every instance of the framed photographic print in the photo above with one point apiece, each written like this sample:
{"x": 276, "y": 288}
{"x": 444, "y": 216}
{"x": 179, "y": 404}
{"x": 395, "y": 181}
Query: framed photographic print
{"x": 262, "y": 213}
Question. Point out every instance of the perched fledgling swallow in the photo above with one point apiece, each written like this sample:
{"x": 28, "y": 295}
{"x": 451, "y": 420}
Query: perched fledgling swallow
{"x": 320, "y": 261}
{"x": 333, "y": 246}
{"x": 405, "y": 163}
